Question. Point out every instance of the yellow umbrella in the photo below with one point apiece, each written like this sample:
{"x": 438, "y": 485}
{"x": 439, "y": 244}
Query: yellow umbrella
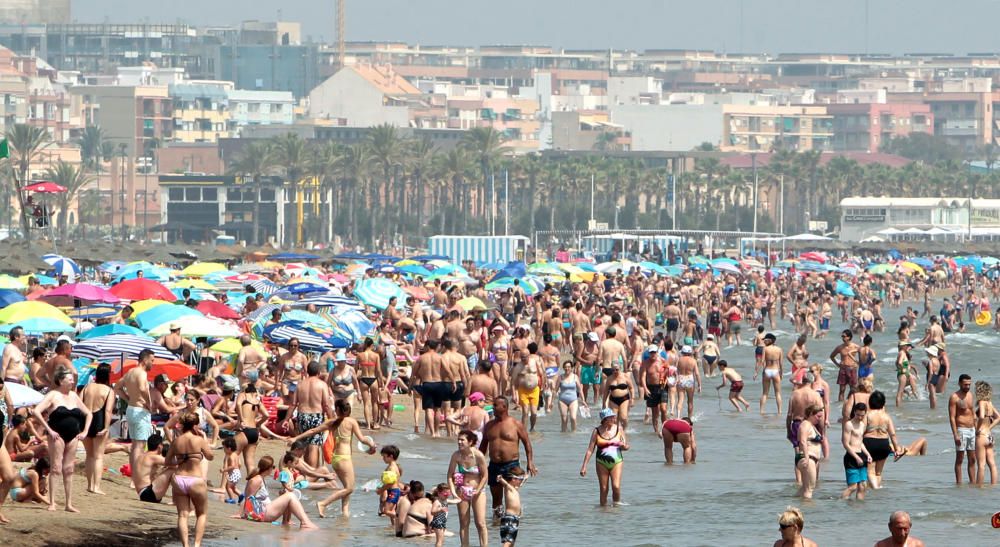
{"x": 10, "y": 282}
{"x": 471, "y": 303}
{"x": 199, "y": 269}
{"x": 576, "y": 273}
{"x": 231, "y": 346}
{"x": 910, "y": 267}
{"x": 32, "y": 309}
{"x": 146, "y": 305}
{"x": 194, "y": 284}
{"x": 407, "y": 262}
{"x": 270, "y": 264}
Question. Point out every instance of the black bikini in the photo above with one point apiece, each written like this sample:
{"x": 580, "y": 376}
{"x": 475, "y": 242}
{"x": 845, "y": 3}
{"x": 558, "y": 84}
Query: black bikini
{"x": 97, "y": 422}
{"x": 251, "y": 433}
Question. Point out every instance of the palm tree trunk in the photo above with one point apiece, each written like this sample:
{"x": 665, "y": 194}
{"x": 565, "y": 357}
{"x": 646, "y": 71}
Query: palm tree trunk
{"x": 531, "y": 205}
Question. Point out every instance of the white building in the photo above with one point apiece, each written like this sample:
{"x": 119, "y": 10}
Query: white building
{"x": 670, "y": 127}
{"x": 939, "y": 219}
{"x": 363, "y": 96}
{"x": 254, "y": 107}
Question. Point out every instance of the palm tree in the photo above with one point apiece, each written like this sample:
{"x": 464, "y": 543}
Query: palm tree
{"x": 255, "y": 160}
{"x": 291, "y": 153}
{"x": 26, "y": 143}
{"x": 423, "y": 154}
{"x": 356, "y": 163}
{"x": 606, "y": 141}
{"x": 91, "y": 143}
{"x": 72, "y": 179}
{"x": 387, "y": 150}
{"x": 454, "y": 167}
{"x": 88, "y": 209}
{"x": 486, "y": 146}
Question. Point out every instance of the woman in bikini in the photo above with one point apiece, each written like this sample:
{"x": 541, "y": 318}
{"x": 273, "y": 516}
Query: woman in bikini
{"x": 250, "y": 414}
{"x": 189, "y": 487}
{"x": 370, "y": 375}
{"x": 609, "y": 440}
{"x": 465, "y": 478}
{"x": 417, "y": 508}
{"x": 258, "y": 505}
{"x": 879, "y": 438}
{"x": 618, "y": 391}
{"x": 343, "y": 379}
{"x": 99, "y": 398}
{"x": 987, "y": 418}
{"x": 344, "y": 429}
{"x": 810, "y": 450}
{"x": 29, "y": 484}
{"x": 68, "y": 421}
{"x": 822, "y": 387}
{"x": 903, "y": 376}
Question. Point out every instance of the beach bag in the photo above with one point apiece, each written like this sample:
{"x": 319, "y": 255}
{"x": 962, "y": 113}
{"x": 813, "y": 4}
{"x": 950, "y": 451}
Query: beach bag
{"x": 329, "y": 444}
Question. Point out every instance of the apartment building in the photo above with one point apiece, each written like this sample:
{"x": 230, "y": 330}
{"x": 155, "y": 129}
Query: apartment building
{"x": 201, "y": 110}
{"x": 748, "y": 128}
{"x": 867, "y": 126}
{"x": 250, "y": 107}
{"x": 363, "y": 96}
{"x": 140, "y": 117}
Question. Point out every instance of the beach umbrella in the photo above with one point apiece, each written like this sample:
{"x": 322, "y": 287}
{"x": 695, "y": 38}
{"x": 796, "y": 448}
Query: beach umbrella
{"x": 263, "y": 311}
{"x": 471, "y": 303}
{"x": 879, "y": 269}
{"x": 844, "y": 288}
{"x": 376, "y": 292}
{"x": 726, "y": 267}
{"x": 62, "y": 265}
{"x": 111, "y": 329}
{"x": 38, "y": 325}
{"x": 174, "y": 370}
{"x": 142, "y": 289}
{"x": 676, "y": 270}
{"x": 751, "y": 263}
{"x": 22, "y": 311}
{"x": 194, "y": 284}
{"x": 199, "y": 326}
{"x": 263, "y": 286}
{"x": 418, "y": 292}
{"x": 545, "y": 268}
{"x": 217, "y": 309}
{"x": 508, "y": 283}
{"x": 232, "y": 346}
{"x": 12, "y": 283}
{"x": 149, "y": 272}
{"x": 66, "y": 294}
{"x": 111, "y": 266}
{"x": 415, "y": 269}
{"x": 8, "y": 297}
{"x": 428, "y": 258}
{"x": 406, "y": 262}
{"x": 811, "y": 266}
{"x": 309, "y": 339}
{"x": 653, "y": 267}
{"x": 22, "y": 396}
{"x": 910, "y": 268}
{"x": 354, "y": 324}
{"x": 292, "y": 257}
{"x": 201, "y": 269}
{"x": 304, "y": 288}
{"x": 109, "y": 348}
{"x": 330, "y": 300}
{"x": 145, "y": 305}
{"x": 513, "y": 270}
{"x": 926, "y": 262}
{"x": 43, "y": 280}
{"x": 244, "y": 278}
{"x": 159, "y": 315}
{"x": 814, "y": 256}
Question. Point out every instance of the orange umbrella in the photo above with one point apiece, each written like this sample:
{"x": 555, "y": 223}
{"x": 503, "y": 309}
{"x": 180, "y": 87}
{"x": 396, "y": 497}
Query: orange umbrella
{"x": 420, "y": 293}
{"x": 175, "y": 370}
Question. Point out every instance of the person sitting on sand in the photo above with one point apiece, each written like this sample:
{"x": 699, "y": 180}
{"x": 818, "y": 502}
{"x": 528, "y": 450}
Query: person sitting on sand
{"x": 258, "y": 505}
{"x": 29, "y": 484}
{"x": 21, "y": 444}
{"x": 151, "y": 476}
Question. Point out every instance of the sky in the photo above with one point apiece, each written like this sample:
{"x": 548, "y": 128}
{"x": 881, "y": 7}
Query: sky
{"x": 768, "y": 26}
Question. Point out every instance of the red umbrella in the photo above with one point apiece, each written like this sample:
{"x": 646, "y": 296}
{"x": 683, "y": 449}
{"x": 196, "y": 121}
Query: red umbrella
{"x": 142, "y": 289}
{"x": 175, "y": 370}
{"x": 45, "y": 187}
{"x": 814, "y": 256}
{"x": 217, "y": 309}
{"x": 82, "y": 291}
{"x": 243, "y": 278}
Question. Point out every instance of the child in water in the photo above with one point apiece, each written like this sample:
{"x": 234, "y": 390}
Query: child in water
{"x": 735, "y": 385}
{"x": 511, "y": 520}
{"x": 439, "y": 512}
{"x": 390, "y": 491}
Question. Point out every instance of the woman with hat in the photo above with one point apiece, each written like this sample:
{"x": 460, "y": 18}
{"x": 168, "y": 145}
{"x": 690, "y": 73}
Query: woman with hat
{"x": 609, "y": 440}
{"x": 342, "y": 378}
{"x": 904, "y": 373}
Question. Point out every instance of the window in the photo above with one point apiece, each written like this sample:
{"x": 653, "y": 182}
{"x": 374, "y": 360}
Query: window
{"x": 267, "y": 194}
{"x": 210, "y": 194}
{"x": 192, "y": 194}
{"x": 176, "y": 194}
{"x": 234, "y": 194}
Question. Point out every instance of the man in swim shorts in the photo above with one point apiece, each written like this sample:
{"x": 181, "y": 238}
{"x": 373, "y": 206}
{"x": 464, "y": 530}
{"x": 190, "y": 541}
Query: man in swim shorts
{"x": 501, "y": 438}
{"x": 133, "y": 388}
{"x": 962, "y": 418}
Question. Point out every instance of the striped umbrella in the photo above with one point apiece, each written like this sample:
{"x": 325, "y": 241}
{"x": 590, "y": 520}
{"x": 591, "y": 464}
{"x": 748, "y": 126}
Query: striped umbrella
{"x": 376, "y": 292}
{"x": 263, "y": 311}
{"x": 62, "y": 265}
{"x": 329, "y": 300}
{"x": 264, "y": 287}
{"x": 109, "y": 348}
{"x": 309, "y": 340}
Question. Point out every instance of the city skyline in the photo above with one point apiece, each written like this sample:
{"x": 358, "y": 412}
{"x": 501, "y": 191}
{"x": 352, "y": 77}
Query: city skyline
{"x": 781, "y": 26}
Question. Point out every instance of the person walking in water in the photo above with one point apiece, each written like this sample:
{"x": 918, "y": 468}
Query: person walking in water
{"x": 609, "y": 440}
{"x": 856, "y": 458}
{"x": 962, "y": 417}
{"x": 501, "y": 438}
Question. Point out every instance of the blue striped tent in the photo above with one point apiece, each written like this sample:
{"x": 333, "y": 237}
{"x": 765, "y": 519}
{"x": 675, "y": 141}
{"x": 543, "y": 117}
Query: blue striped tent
{"x": 479, "y": 248}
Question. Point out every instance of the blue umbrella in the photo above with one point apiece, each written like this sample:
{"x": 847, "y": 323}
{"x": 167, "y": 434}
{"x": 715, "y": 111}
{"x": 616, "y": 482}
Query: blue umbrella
{"x": 923, "y": 262}
{"x": 653, "y": 267}
{"x": 8, "y": 297}
{"x": 38, "y": 325}
{"x": 427, "y": 258}
{"x": 376, "y": 292}
{"x": 111, "y": 266}
{"x": 159, "y": 315}
{"x": 45, "y": 280}
{"x": 330, "y": 300}
{"x": 111, "y": 329}
{"x": 304, "y": 288}
{"x": 515, "y": 270}
{"x": 264, "y": 287}
{"x": 377, "y": 257}
{"x": 148, "y": 270}
{"x": 309, "y": 339}
{"x": 62, "y": 265}
{"x": 355, "y": 324}
{"x": 109, "y": 348}
{"x": 415, "y": 269}
{"x": 844, "y": 288}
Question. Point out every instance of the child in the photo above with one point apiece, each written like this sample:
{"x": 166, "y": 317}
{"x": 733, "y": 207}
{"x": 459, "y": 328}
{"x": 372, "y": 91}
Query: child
{"x": 735, "y": 385}
{"x": 389, "y": 492}
{"x": 231, "y": 470}
{"x": 439, "y": 510}
{"x": 511, "y": 519}
{"x": 290, "y": 478}
{"x": 758, "y": 350}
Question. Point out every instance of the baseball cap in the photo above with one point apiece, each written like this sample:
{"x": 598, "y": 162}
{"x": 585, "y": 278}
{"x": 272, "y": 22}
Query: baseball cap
{"x": 161, "y": 379}
{"x": 476, "y": 396}
{"x": 341, "y": 355}
{"x": 66, "y": 338}
{"x": 592, "y": 336}
{"x": 687, "y": 349}
{"x": 175, "y": 326}
{"x": 607, "y": 413}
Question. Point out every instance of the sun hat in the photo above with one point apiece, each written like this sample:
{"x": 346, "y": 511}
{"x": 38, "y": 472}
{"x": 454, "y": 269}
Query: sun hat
{"x": 607, "y": 413}
{"x": 476, "y": 396}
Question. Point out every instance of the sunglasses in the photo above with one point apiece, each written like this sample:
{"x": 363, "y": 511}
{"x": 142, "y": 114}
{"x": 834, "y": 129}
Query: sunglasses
{"x": 785, "y": 526}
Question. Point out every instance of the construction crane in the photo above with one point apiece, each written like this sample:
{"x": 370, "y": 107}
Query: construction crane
{"x": 340, "y": 34}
